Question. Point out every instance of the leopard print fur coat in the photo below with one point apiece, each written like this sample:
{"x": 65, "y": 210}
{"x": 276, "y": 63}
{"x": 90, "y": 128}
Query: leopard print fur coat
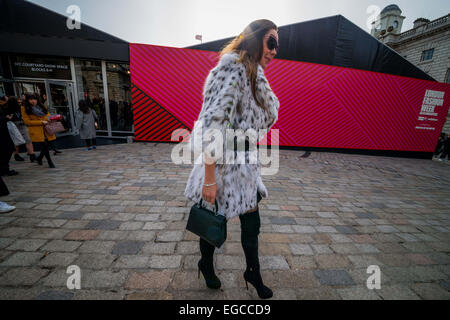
{"x": 228, "y": 102}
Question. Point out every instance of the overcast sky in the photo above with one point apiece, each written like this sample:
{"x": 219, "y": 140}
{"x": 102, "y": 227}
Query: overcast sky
{"x": 176, "y": 22}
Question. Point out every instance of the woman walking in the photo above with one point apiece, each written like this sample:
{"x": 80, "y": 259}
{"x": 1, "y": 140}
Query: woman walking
{"x": 36, "y": 116}
{"x": 14, "y": 110}
{"x": 237, "y": 95}
{"x": 6, "y": 146}
{"x": 86, "y": 119}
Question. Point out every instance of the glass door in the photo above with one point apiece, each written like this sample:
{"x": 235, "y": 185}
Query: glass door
{"x": 59, "y": 95}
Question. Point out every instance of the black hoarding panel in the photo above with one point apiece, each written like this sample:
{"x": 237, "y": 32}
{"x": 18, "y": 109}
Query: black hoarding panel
{"x": 357, "y": 49}
{"x": 31, "y": 29}
{"x": 335, "y": 41}
{"x": 298, "y": 42}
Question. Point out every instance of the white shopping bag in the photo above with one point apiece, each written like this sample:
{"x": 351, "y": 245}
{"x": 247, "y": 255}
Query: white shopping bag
{"x": 15, "y": 134}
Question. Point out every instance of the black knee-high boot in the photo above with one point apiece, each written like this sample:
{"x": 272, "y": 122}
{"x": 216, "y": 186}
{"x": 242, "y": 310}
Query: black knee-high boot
{"x": 250, "y": 225}
{"x": 206, "y": 265}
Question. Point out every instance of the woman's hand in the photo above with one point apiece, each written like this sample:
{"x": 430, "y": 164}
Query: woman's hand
{"x": 209, "y": 193}
{"x": 44, "y": 122}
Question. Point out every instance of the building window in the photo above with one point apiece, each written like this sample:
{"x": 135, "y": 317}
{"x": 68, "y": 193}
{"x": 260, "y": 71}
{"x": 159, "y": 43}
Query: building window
{"x": 427, "y": 55}
{"x": 119, "y": 94}
{"x": 90, "y": 87}
{"x": 447, "y": 76}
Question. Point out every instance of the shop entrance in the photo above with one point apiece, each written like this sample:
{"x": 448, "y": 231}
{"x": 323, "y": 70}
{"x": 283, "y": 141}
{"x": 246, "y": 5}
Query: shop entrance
{"x": 57, "y": 96}
{"x": 60, "y": 99}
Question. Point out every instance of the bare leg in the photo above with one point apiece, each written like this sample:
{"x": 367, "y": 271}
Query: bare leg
{"x": 30, "y": 148}
{"x": 17, "y": 150}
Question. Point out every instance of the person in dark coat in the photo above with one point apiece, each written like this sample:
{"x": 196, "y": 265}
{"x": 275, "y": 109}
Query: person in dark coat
{"x": 6, "y": 146}
{"x": 4, "y": 207}
{"x": 14, "y": 110}
{"x": 6, "y": 150}
{"x": 440, "y": 145}
{"x": 446, "y": 151}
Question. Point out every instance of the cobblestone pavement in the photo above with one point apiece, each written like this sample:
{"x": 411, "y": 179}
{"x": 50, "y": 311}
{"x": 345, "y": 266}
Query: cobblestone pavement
{"x": 119, "y": 214}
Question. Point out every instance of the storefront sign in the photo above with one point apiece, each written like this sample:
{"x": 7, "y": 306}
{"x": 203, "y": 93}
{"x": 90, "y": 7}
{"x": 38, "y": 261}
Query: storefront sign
{"x": 47, "y": 68}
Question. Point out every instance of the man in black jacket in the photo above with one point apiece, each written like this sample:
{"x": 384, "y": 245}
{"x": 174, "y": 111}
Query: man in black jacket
{"x": 439, "y": 145}
{"x": 6, "y": 147}
{"x": 446, "y": 149}
{"x": 6, "y": 150}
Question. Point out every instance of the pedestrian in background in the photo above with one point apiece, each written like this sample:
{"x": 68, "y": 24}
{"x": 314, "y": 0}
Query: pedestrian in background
{"x": 86, "y": 124}
{"x": 439, "y": 145}
{"x": 6, "y": 145}
{"x": 446, "y": 150}
{"x": 51, "y": 143}
{"x": 4, "y": 207}
{"x": 36, "y": 116}
{"x": 14, "y": 110}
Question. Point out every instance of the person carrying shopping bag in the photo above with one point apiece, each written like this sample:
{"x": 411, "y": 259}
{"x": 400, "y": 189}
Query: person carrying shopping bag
{"x": 14, "y": 110}
{"x": 6, "y": 146}
{"x": 36, "y": 116}
{"x": 236, "y": 95}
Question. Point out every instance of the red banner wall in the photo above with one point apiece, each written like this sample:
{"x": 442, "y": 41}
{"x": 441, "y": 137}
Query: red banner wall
{"x": 320, "y": 106}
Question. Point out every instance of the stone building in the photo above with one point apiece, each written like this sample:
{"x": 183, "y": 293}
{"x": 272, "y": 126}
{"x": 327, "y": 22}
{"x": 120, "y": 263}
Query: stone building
{"x": 426, "y": 45}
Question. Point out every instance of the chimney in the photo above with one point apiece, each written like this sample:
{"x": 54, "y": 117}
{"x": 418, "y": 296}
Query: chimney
{"x": 420, "y": 22}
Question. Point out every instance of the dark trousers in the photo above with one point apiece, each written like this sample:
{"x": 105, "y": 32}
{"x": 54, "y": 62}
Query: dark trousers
{"x": 445, "y": 152}
{"x": 91, "y": 142}
{"x": 51, "y": 145}
{"x": 3, "y": 188}
{"x": 5, "y": 156}
{"x": 44, "y": 147}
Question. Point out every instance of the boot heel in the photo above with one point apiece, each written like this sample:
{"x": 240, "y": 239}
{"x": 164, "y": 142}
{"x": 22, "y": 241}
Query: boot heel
{"x": 212, "y": 281}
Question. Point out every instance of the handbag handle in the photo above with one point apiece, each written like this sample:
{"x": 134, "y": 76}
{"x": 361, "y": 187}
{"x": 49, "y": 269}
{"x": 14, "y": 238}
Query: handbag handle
{"x": 215, "y": 202}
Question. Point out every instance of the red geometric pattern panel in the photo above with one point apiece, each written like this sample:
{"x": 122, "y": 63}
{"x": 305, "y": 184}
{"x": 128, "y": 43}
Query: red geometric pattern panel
{"x": 151, "y": 121}
{"x": 320, "y": 106}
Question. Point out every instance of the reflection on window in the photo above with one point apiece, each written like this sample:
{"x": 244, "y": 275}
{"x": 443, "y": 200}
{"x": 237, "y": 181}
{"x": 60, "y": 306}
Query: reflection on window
{"x": 119, "y": 94}
{"x": 90, "y": 87}
{"x": 427, "y": 55}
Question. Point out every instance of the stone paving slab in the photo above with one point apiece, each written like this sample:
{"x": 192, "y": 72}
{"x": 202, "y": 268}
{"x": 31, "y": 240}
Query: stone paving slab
{"x": 119, "y": 213}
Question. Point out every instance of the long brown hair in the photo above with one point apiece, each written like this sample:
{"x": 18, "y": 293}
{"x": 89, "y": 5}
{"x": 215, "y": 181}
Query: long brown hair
{"x": 249, "y": 45}
{"x": 29, "y": 107}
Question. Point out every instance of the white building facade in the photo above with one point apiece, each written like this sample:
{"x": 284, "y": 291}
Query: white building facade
{"x": 426, "y": 45}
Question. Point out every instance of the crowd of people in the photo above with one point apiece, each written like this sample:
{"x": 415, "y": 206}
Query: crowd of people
{"x": 23, "y": 121}
{"x": 443, "y": 147}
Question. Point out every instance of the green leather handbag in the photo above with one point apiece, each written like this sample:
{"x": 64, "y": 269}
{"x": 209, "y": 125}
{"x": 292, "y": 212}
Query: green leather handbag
{"x": 208, "y": 225}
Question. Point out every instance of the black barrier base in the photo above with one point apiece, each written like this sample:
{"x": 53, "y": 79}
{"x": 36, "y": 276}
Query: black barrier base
{"x": 382, "y": 153}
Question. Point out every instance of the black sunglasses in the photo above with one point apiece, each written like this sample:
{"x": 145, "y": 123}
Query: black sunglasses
{"x": 272, "y": 44}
